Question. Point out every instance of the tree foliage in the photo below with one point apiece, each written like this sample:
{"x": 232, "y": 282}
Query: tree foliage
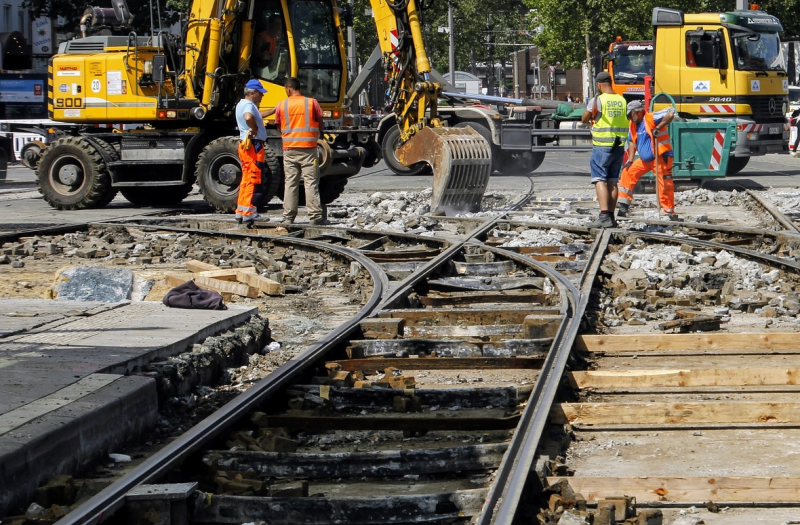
{"x": 480, "y": 25}
{"x": 593, "y": 24}
{"x": 71, "y": 12}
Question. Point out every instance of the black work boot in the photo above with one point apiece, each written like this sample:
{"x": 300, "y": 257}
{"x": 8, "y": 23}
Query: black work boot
{"x": 622, "y": 209}
{"x": 605, "y": 220}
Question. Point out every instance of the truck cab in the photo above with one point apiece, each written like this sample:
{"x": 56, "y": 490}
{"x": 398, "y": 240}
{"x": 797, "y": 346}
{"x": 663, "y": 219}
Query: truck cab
{"x": 629, "y": 63}
{"x": 730, "y": 66}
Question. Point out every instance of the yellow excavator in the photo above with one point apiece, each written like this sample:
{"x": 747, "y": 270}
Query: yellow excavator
{"x": 173, "y": 97}
{"x": 461, "y": 158}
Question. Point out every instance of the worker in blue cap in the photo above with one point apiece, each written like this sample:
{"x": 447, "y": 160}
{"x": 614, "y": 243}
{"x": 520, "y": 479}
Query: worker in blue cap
{"x": 252, "y": 137}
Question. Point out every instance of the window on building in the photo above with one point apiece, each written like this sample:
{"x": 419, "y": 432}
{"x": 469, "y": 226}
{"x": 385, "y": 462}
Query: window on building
{"x": 7, "y": 18}
{"x": 21, "y": 23}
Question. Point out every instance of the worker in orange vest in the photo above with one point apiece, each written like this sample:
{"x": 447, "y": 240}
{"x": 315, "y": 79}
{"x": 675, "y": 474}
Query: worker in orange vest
{"x": 252, "y": 152}
{"x": 300, "y": 119}
{"x": 265, "y": 43}
{"x": 647, "y": 129}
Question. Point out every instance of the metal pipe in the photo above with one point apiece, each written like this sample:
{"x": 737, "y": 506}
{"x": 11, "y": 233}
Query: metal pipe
{"x": 423, "y": 64}
{"x": 452, "y": 54}
{"x": 213, "y": 60}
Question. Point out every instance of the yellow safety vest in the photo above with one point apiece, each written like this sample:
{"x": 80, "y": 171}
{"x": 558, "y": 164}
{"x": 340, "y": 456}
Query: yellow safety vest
{"x": 613, "y": 121}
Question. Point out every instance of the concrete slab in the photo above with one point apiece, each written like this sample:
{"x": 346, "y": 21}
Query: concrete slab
{"x": 72, "y": 436}
{"x": 64, "y": 403}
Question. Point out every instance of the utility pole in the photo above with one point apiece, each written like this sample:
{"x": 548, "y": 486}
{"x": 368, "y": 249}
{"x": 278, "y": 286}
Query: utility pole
{"x": 741, "y": 4}
{"x": 351, "y": 50}
{"x": 452, "y": 43}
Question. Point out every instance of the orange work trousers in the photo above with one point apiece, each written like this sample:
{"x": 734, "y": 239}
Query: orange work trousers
{"x": 252, "y": 159}
{"x": 666, "y": 186}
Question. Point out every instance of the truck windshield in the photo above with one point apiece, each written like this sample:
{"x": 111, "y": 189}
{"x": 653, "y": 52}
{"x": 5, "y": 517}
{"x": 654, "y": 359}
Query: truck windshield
{"x": 758, "y": 54}
{"x": 317, "y": 47}
{"x": 632, "y": 64}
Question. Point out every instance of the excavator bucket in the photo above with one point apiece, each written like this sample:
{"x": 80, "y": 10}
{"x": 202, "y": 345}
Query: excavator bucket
{"x": 462, "y": 163}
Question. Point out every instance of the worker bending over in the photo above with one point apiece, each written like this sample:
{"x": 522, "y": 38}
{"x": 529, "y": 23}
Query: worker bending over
{"x": 647, "y": 129}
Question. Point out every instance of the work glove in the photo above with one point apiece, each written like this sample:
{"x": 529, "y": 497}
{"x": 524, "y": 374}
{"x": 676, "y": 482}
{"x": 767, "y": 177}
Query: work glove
{"x": 247, "y": 143}
{"x": 628, "y": 164}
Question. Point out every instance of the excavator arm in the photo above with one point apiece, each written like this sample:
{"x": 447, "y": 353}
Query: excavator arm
{"x": 460, "y": 157}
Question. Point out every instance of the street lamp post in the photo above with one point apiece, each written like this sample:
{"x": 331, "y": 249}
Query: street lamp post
{"x": 452, "y": 44}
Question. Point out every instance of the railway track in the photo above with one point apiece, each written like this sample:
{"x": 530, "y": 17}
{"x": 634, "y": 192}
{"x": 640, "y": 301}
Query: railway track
{"x": 439, "y": 400}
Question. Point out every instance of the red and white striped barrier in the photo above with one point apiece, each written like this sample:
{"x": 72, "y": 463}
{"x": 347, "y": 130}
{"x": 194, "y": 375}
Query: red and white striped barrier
{"x": 716, "y": 152}
{"x": 752, "y": 127}
{"x": 718, "y": 108}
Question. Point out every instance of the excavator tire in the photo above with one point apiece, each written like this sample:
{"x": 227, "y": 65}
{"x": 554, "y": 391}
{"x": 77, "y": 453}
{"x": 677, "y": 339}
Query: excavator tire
{"x": 112, "y": 154}
{"x": 330, "y": 188}
{"x": 219, "y": 173}
{"x": 72, "y": 175}
{"x": 388, "y": 147}
{"x": 156, "y": 196}
{"x": 736, "y": 164}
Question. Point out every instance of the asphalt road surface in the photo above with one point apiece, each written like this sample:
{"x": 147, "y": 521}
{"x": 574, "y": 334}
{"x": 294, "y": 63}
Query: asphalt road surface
{"x": 561, "y": 175}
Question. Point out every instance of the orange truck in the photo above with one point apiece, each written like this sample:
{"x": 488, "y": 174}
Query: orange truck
{"x": 629, "y": 63}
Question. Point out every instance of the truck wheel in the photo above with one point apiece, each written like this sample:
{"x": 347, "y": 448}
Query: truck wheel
{"x": 156, "y": 196}
{"x": 31, "y": 154}
{"x": 736, "y": 164}
{"x": 72, "y": 175}
{"x": 390, "y": 142}
{"x": 520, "y": 163}
{"x": 484, "y": 132}
{"x": 219, "y": 174}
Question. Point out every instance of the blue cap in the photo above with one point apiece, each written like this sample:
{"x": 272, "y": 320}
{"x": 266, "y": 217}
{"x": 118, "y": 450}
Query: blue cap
{"x": 255, "y": 84}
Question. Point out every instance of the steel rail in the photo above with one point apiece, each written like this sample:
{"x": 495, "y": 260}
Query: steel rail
{"x": 506, "y": 493}
{"x": 774, "y": 211}
{"x": 109, "y": 500}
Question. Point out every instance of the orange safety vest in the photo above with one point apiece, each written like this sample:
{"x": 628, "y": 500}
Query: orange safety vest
{"x": 299, "y": 127}
{"x": 270, "y": 43}
{"x": 664, "y": 145}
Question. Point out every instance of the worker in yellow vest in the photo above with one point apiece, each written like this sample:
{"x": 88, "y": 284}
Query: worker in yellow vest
{"x": 607, "y": 113}
{"x": 300, "y": 119}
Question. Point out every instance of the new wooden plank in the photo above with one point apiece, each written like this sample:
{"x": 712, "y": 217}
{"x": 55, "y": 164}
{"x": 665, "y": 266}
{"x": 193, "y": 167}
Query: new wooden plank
{"x": 229, "y": 274}
{"x": 686, "y": 378}
{"x": 221, "y": 286}
{"x": 687, "y": 489}
{"x": 675, "y": 413}
{"x": 642, "y": 343}
{"x": 176, "y": 279}
{"x": 199, "y": 266}
{"x": 443, "y": 363}
{"x": 268, "y": 286}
